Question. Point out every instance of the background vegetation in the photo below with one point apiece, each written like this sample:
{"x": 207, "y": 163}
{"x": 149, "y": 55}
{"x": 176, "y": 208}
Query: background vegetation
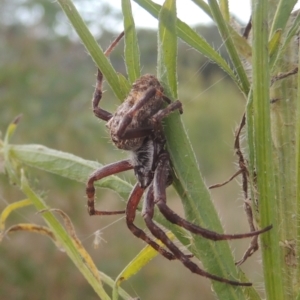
{"x": 47, "y": 76}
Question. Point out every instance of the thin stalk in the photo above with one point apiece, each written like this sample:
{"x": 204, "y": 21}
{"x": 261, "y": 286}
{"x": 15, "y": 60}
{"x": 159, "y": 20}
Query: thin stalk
{"x": 262, "y": 152}
{"x": 298, "y": 170}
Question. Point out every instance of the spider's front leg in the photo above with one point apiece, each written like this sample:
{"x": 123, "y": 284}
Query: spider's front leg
{"x": 108, "y": 170}
{"x": 171, "y": 216}
{"x": 131, "y": 208}
{"x": 161, "y": 235}
{"x": 99, "y": 112}
{"x": 125, "y": 133}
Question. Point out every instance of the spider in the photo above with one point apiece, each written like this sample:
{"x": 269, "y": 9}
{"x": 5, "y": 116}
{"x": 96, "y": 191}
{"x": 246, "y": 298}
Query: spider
{"x": 136, "y": 126}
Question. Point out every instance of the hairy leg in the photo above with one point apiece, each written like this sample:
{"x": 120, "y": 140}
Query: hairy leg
{"x": 131, "y": 208}
{"x": 161, "y": 235}
{"x": 108, "y": 170}
{"x": 160, "y": 180}
{"x": 99, "y": 112}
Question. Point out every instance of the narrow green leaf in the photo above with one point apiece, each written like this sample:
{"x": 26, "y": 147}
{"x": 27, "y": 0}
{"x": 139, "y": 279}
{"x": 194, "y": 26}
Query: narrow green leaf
{"x": 11, "y": 129}
{"x": 241, "y": 44}
{"x": 167, "y": 47}
{"x": 232, "y": 51}
{"x": 189, "y": 36}
{"x": 92, "y": 46}
{"x": 298, "y": 169}
{"x": 111, "y": 283}
{"x": 65, "y": 240}
{"x": 224, "y": 8}
{"x": 10, "y": 208}
{"x": 8, "y": 164}
{"x": 124, "y": 84}
{"x": 190, "y": 187}
{"x": 135, "y": 265}
{"x": 204, "y": 6}
{"x": 132, "y": 55}
{"x": 29, "y": 227}
{"x": 275, "y": 43}
{"x": 282, "y": 14}
{"x": 295, "y": 23}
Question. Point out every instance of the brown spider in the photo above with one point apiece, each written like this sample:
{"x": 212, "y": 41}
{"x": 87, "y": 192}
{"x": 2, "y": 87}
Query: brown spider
{"x": 136, "y": 127}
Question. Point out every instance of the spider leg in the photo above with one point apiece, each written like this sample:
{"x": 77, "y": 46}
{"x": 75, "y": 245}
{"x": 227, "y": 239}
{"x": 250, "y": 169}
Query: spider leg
{"x": 161, "y": 235}
{"x": 131, "y": 208}
{"x": 160, "y": 180}
{"x": 108, "y": 170}
{"x": 99, "y": 112}
{"x": 127, "y": 118}
{"x": 125, "y": 133}
{"x": 176, "y": 105}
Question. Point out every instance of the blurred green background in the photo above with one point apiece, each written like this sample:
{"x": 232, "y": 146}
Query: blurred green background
{"x": 46, "y": 74}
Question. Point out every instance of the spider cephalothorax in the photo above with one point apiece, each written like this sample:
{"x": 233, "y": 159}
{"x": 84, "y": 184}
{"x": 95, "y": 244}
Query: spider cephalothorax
{"x": 136, "y": 126}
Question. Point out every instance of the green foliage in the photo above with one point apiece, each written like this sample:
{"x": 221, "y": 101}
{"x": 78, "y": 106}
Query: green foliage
{"x": 50, "y": 101}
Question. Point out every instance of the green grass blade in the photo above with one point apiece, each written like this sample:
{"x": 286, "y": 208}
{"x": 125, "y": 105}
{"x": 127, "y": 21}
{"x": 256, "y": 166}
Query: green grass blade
{"x": 298, "y": 170}
{"x": 9, "y": 209}
{"x": 167, "y": 49}
{"x": 204, "y": 6}
{"x": 291, "y": 34}
{"x": 92, "y": 47}
{"x": 189, "y": 36}
{"x": 132, "y": 54}
{"x": 65, "y": 240}
{"x": 282, "y": 14}
{"x": 232, "y": 51}
{"x": 262, "y": 150}
{"x": 224, "y": 8}
{"x": 188, "y": 181}
{"x": 136, "y": 264}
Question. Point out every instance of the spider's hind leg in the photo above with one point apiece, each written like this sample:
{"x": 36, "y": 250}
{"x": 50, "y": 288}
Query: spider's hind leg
{"x": 160, "y": 183}
{"x": 161, "y": 235}
{"x": 131, "y": 208}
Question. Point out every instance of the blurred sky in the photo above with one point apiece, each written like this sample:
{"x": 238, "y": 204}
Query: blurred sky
{"x": 187, "y": 12}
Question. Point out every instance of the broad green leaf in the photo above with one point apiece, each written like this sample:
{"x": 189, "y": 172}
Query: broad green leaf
{"x": 132, "y": 54}
{"x": 66, "y": 165}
